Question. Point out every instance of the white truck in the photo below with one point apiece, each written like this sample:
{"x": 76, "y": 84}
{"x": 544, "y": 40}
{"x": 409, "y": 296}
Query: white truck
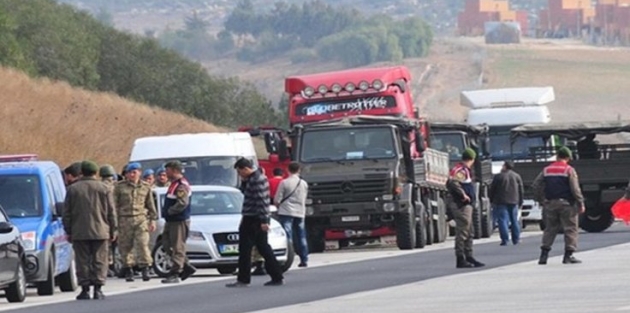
{"x": 502, "y": 110}
{"x": 208, "y": 158}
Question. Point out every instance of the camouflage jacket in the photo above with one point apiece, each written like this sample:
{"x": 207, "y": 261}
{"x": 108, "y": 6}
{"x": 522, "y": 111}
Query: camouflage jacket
{"x": 134, "y": 200}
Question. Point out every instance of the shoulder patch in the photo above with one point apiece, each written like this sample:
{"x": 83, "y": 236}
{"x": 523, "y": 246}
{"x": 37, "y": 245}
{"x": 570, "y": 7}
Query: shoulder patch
{"x": 460, "y": 175}
{"x": 181, "y": 193}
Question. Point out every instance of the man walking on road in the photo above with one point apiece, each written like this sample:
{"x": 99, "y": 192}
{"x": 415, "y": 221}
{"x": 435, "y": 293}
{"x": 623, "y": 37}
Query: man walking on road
{"x": 291, "y": 201}
{"x": 176, "y": 212}
{"x": 89, "y": 219}
{"x": 558, "y": 189}
{"x": 460, "y": 203}
{"x": 506, "y": 195}
{"x": 137, "y": 216}
{"x": 254, "y": 226}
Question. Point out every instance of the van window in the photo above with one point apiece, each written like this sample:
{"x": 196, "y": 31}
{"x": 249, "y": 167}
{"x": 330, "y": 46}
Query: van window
{"x": 20, "y": 195}
{"x": 51, "y": 193}
{"x": 203, "y": 170}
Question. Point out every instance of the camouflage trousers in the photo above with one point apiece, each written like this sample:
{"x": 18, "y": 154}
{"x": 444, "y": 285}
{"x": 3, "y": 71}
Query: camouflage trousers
{"x": 560, "y": 215}
{"x": 133, "y": 234}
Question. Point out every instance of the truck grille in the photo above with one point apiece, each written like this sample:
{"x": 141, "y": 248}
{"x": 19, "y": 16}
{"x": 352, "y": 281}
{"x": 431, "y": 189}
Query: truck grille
{"x": 348, "y": 191}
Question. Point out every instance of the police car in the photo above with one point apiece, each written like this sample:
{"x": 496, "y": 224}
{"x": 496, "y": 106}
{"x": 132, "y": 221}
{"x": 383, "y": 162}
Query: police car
{"x": 213, "y": 237}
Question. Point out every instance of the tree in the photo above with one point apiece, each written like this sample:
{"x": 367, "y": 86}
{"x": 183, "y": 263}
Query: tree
{"x": 196, "y": 24}
{"x": 105, "y": 17}
{"x": 11, "y": 53}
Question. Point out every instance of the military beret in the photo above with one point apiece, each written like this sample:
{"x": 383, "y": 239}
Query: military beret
{"x": 89, "y": 168}
{"x": 469, "y": 154}
{"x": 160, "y": 170}
{"x": 176, "y": 165}
{"x": 564, "y": 153}
{"x": 133, "y": 166}
{"x": 148, "y": 172}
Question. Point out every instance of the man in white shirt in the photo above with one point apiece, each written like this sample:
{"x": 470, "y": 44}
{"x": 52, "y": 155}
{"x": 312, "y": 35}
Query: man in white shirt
{"x": 291, "y": 202}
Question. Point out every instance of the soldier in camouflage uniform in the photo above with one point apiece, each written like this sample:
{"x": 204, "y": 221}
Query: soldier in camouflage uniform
{"x": 161, "y": 180}
{"x": 148, "y": 176}
{"x": 136, "y": 219}
{"x": 108, "y": 176}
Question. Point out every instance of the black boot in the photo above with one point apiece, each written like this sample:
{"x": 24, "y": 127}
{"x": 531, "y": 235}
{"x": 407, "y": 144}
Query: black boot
{"x": 544, "y": 255}
{"x": 474, "y": 262}
{"x": 188, "y": 271}
{"x": 129, "y": 274}
{"x": 172, "y": 278}
{"x": 462, "y": 263}
{"x": 146, "y": 275}
{"x": 98, "y": 294}
{"x": 260, "y": 269}
{"x": 569, "y": 258}
{"x": 85, "y": 293}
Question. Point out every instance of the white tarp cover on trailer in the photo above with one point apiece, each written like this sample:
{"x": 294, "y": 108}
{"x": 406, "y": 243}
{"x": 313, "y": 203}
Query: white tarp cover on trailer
{"x": 526, "y": 96}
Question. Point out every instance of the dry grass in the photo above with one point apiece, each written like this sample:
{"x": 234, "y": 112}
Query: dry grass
{"x": 66, "y": 124}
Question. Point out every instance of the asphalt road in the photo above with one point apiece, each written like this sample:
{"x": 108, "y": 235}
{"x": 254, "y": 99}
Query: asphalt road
{"x": 324, "y": 282}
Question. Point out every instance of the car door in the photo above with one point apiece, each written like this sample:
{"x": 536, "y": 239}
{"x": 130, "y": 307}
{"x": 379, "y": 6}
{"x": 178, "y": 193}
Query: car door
{"x": 9, "y": 248}
{"x": 63, "y": 249}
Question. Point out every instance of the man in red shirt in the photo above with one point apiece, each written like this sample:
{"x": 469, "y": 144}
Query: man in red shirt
{"x": 274, "y": 182}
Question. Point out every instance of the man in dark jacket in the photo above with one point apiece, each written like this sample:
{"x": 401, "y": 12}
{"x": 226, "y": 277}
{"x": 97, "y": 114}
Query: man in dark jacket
{"x": 89, "y": 219}
{"x": 254, "y": 226}
{"x": 506, "y": 195}
{"x": 460, "y": 202}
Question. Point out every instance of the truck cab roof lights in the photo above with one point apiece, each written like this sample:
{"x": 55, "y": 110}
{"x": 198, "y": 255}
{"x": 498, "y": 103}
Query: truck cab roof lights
{"x": 308, "y": 92}
{"x": 350, "y": 87}
{"x": 363, "y": 85}
{"x": 378, "y": 84}
{"x": 336, "y": 88}
{"x": 322, "y": 89}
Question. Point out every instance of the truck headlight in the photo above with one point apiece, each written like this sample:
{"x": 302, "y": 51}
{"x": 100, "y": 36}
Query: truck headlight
{"x": 29, "y": 240}
{"x": 389, "y": 207}
{"x": 388, "y": 197}
{"x": 196, "y": 235}
{"x": 308, "y": 201}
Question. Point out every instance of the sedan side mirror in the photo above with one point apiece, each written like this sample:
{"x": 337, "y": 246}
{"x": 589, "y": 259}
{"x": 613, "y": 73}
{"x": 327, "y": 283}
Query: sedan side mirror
{"x": 5, "y": 227}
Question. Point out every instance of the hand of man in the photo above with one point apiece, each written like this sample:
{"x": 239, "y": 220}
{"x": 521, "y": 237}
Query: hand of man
{"x": 264, "y": 227}
{"x": 582, "y": 209}
{"x": 151, "y": 227}
{"x": 113, "y": 238}
{"x": 466, "y": 198}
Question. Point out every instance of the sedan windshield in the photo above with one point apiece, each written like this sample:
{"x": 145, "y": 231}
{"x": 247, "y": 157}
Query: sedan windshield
{"x": 214, "y": 202}
{"x": 348, "y": 144}
{"x": 203, "y": 170}
{"x": 20, "y": 195}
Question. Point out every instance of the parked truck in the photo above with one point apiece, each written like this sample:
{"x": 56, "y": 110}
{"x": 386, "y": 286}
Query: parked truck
{"x": 503, "y": 109}
{"x": 454, "y": 138}
{"x": 366, "y": 158}
{"x": 603, "y": 171}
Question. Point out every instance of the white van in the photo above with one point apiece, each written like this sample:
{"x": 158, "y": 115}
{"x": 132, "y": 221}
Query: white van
{"x": 208, "y": 158}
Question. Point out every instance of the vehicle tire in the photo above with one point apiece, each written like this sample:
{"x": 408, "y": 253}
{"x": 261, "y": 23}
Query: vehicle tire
{"x": 476, "y": 220}
{"x": 161, "y": 261}
{"x": 487, "y": 226}
{"x": 227, "y": 269}
{"x": 316, "y": 240}
{"x": 596, "y": 221}
{"x": 429, "y": 229}
{"x": 16, "y": 292}
{"x": 290, "y": 257}
{"x": 47, "y": 287}
{"x": 68, "y": 281}
{"x": 406, "y": 228}
{"x": 343, "y": 243}
{"x": 440, "y": 228}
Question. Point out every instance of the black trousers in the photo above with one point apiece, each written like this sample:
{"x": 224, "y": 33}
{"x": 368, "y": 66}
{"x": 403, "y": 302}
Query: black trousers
{"x": 250, "y": 235}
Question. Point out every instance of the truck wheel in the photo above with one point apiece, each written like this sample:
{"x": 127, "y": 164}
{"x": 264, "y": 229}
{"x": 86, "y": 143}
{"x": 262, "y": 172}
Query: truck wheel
{"x": 487, "y": 226}
{"x": 68, "y": 281}
{"x": 440, "y": 230}
{"x": 406, "y": 231}
{"x": 16, "y": 292}
{"x": 422, "y": 231}
{"x": 316, "y": 240}
{"x": 597, "y": 220}
{"x": 47, "y": 287}
{"x": 428, "y": 221}
{"x": 476, "y": 220}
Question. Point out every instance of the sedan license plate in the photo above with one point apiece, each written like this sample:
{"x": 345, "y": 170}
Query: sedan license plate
{"x": 350, "y": 218}
{"x": 228, "y": 249}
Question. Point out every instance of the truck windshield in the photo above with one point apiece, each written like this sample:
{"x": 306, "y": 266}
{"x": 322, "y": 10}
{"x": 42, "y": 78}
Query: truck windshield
{"x": 214, "y": 202}
{"x": 453, "y": 144}
{"x": 347, "y": 144}
{"x": 501, "y": 147}
{"x": 20, "y": 195}
{"x": 203, "y": 170}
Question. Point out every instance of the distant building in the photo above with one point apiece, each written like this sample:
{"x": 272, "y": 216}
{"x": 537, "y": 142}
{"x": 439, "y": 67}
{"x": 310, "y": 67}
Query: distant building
{"x": 612, "y": 22}
{"x": 566, "y": 18}
{"x": 476, "y": 13}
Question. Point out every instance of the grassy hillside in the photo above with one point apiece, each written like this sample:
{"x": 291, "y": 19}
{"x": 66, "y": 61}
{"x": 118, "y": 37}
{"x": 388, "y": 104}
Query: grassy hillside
{"x": 66, "y": 124}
